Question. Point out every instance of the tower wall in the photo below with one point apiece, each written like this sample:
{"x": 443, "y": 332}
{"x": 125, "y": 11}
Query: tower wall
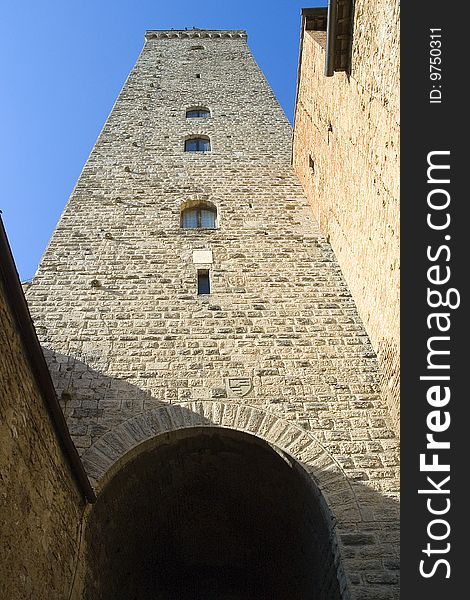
{"x": 126, "y": 335}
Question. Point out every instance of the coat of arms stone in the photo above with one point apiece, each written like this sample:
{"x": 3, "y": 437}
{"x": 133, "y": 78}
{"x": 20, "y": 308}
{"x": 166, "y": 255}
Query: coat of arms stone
{"x": 238, "y": 386}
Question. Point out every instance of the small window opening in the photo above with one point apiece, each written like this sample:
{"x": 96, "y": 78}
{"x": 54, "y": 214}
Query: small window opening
{"x": 203, "y": 282}
{"x": 197, "y": 145}
{"x": 311, "y": 165}
{"x": 197, "y": 47}
{"x": 198, "y": 76}
{"x": 198, "y": 113}
{"x": 199, "y": 217}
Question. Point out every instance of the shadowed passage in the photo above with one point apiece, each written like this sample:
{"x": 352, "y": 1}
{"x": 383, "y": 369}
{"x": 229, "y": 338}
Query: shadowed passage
{"x": 210, "y": 513}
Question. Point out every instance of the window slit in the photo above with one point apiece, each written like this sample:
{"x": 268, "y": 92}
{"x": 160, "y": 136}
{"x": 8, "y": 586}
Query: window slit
{"x": 203, "y": 282}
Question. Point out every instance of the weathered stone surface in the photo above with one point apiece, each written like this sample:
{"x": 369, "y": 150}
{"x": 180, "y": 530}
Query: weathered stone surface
{"x": 40, "y": 505}
{"x": 143, "y": 342}
{"x": 346, "y": 154}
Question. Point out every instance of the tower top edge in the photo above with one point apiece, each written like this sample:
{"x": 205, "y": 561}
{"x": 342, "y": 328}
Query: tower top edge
{"x": 195, "y": 34}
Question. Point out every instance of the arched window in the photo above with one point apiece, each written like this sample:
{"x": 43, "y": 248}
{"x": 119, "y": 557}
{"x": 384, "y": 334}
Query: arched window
{"x": 199, "y": 216}
{"x": 199, "y": 144}
{"x": 198, "y": 113}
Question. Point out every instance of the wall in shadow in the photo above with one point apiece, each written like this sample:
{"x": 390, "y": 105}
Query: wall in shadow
{"x": 177, "y": 501}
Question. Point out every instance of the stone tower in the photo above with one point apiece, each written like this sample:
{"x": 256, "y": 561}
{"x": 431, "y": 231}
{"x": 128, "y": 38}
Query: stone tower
{"x": 214, "y": 373}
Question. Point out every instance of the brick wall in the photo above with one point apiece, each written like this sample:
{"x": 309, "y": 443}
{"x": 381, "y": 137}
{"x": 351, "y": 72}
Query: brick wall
{"x": 346, "y": 154}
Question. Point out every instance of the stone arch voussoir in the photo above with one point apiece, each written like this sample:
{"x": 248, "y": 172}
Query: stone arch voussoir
{"x": 120, "y": 445}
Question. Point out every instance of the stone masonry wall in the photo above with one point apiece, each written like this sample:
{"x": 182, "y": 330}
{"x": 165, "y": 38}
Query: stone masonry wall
{"x": 40, "y": 505}
{"x": 115, "y": 302}
{"x": 348, "y": 126}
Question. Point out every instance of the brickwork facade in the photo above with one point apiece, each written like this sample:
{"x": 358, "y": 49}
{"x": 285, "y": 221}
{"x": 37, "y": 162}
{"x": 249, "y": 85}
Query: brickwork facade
{"x": 128, "y": 338}
{"x": 346, "y": 154}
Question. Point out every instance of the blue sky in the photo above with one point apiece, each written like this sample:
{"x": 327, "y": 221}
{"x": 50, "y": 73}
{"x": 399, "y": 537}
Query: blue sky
{"x": 62, "y": 65}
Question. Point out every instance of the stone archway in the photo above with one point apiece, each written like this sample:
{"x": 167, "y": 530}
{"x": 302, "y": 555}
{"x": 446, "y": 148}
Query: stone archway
{"x": 213, "y": 513}
{"x": 111, "y": 452}
{"x": 117, "y": 449}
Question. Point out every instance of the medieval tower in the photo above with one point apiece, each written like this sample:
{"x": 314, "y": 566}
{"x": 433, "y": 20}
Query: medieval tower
{"x": 208, "y": 356}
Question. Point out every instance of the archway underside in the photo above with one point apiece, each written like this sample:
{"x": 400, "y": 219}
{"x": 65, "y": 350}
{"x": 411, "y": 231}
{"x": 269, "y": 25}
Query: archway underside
{"x": 210, "y": 514}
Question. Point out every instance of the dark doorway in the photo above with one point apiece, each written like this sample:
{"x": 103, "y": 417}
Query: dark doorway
{"x": 210, "y": 514}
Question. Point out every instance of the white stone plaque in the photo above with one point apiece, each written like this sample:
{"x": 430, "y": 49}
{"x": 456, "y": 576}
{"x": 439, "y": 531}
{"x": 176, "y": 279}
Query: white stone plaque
{"x": 202, "y": 257}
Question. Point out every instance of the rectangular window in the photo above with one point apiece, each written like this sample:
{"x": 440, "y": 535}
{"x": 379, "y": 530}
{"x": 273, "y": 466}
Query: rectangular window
{"x": 203, "y": 282}
{"x": 197, "y": 145}
{"x": 190, "y": 219}
{"x": 197, "y": 113}
{"x": 191, "y": 146}
{"x": 207, "y": 218}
